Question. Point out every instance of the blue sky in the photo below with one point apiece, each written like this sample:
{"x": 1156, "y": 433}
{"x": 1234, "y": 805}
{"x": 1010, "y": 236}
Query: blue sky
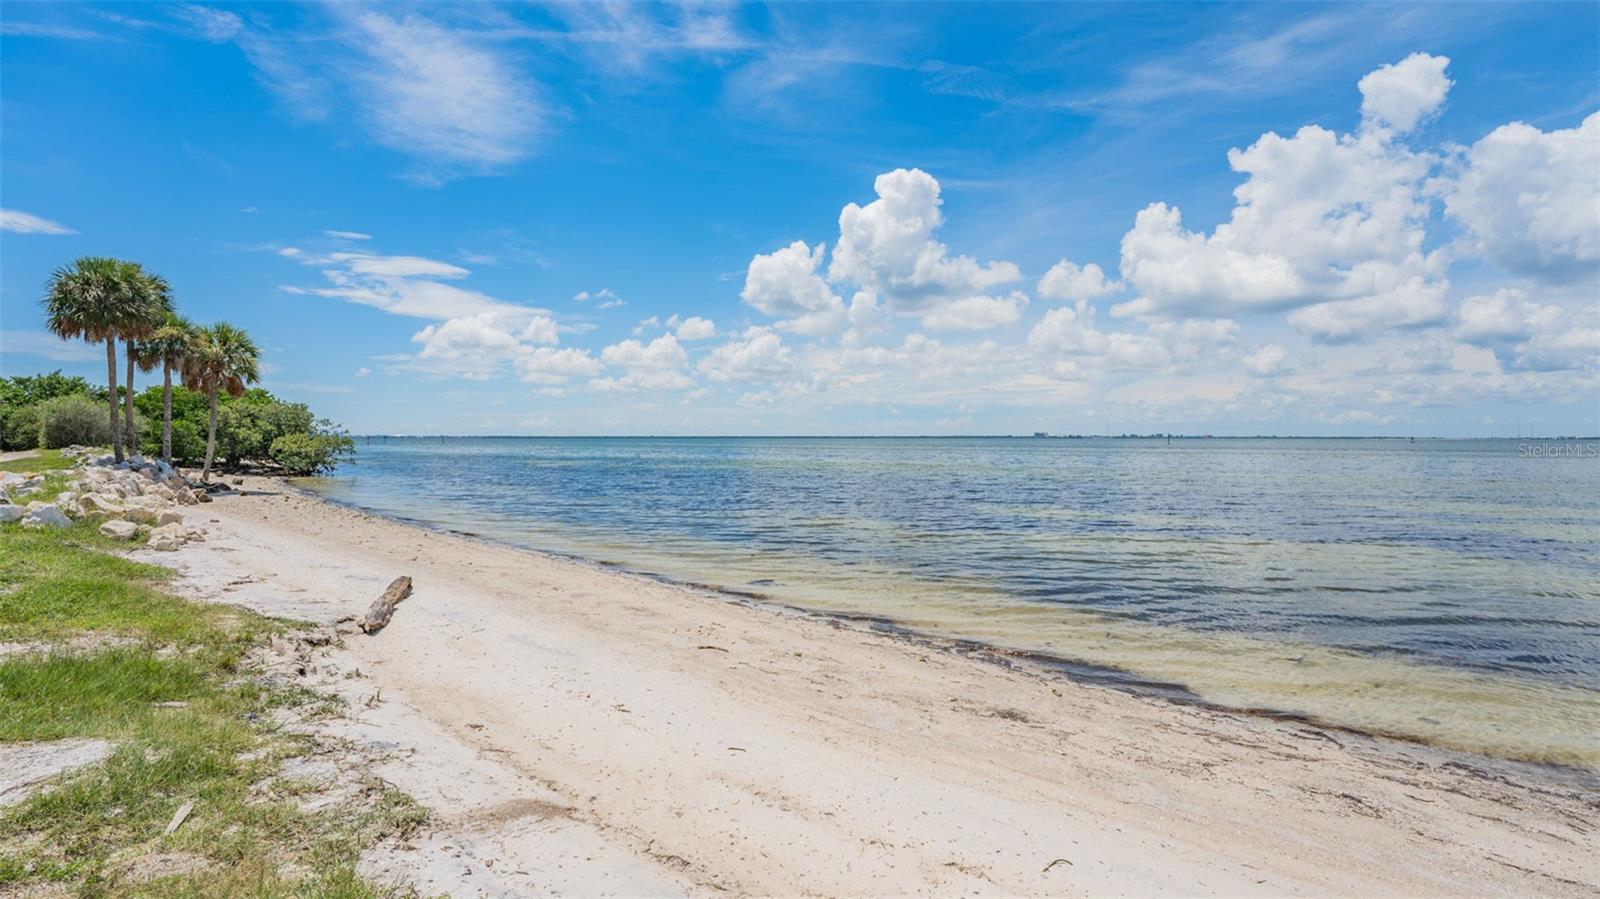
{"x": 836, "y": 218}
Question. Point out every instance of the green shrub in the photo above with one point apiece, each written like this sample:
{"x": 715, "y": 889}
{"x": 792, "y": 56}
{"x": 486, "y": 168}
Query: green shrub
{"x": 188, "y": 441}
{"x": 248, "y": 426}
{"x": 248, "y": 429}
{"x": 73, "y": 419}
{"x": 304, "y": 454}
{"x": 25, "y": 390}
{"x": 21, "y": 401}
{"x": 186, "y": 404}
{"x": 19, "y": 428}
{"x": 189, "y": 414}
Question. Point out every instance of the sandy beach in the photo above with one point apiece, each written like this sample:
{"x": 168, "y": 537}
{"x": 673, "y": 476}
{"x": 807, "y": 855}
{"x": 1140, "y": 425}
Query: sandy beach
{"x": 580, "y": 731}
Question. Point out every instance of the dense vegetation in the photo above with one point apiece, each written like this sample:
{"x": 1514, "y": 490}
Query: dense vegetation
{"x": 105, "y": 300}
{"x": 253, "y": 429}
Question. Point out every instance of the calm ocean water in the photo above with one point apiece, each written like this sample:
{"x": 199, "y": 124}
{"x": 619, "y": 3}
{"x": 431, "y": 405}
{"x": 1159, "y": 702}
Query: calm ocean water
{"x": 1445, "y": 590}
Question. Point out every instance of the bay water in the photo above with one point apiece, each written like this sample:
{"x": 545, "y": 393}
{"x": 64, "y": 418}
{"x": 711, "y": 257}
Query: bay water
{"x": 1441, "y": 590}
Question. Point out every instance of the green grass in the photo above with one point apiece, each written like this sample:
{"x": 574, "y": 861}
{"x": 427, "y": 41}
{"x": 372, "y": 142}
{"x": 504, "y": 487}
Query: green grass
{"x": 57, "y": 584}
{"x": 44, "y": 460}
{"x": 109, "y": 693}
{"x": 217, "y": 750}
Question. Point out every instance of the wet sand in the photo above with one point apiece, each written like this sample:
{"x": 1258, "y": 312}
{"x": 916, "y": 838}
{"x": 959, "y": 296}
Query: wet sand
{"x": 727, "y": 748}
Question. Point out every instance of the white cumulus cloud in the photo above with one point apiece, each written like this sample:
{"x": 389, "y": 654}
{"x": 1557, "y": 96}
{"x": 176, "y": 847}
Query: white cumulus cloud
{"x": 888, "y": 247}
{"x": 696, "y": 328}
{"x": 1399, "y": 96}
{"x": 758, "y": 355}
{"x": 548, "y": 365}
{"x": 888, "y": 250}
{"x": 1332, "y": 225}
{"x": 1531, "y": 198}
{"x": 1527, "y": 335}
{"x": 663, "y": 352}
{"x": 785, "y": 284}
{"x": 1067, "y": 281}
{"x": 657, "y": 365}
{"x": 1266, "y": 361}
{"x": 976, "y": 313}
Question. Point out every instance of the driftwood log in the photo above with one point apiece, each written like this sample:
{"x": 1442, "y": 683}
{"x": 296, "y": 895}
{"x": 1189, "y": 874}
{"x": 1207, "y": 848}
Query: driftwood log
{"x": 383, "y": 608}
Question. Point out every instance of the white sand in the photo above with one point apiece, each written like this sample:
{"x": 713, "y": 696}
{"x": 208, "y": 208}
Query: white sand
{"x": 607, "y": 733}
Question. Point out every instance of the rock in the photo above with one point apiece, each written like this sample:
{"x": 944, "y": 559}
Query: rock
{"x": 139, "y": 514}
{"x": 93, "y": 503}
{"x": 45, "y": 515}
{"x": 168, "y": 537}
{"x": 203, "y": 497}
{"x": 237, "y": 481}
{"x": 119, "y": 530}
{"x": 26, "y": 767}
{"x": 10, "y": 513}
{"x": 169, "y": 516}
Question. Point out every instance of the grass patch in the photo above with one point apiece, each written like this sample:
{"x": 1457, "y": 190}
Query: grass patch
{"x": 43, "y": 460}
{"x": 110, "y": 693}
{"x": 57, "y": 584}
{"x": 94, "y": 829}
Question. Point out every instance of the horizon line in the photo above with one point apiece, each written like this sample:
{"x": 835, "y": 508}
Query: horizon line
{"x": 1038, "y": 436}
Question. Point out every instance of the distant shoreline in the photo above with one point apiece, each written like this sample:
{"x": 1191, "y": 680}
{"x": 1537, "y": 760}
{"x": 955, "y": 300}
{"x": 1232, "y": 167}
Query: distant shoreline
{"x": 952, "y": 437}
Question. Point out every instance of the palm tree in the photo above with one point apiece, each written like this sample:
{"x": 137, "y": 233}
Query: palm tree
{"x": 222, "y": 358}
{"x": 167, "y": 347}
{"x": 150, "y": 302}
{"x": 91, "y": 299}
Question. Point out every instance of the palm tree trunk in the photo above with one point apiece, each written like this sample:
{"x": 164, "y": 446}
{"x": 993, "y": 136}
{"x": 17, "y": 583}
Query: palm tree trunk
{"x": 127, "y": 404}
{"x": 111, "y": 395}
{"x": 211, "y": 439}
{"x": 166, "y": 412}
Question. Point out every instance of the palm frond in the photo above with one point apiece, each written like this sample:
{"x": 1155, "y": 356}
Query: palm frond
{"x": 222, "y": 358}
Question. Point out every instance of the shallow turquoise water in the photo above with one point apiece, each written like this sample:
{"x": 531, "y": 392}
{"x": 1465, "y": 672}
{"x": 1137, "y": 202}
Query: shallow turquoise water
{"x": 1446, "y": 590}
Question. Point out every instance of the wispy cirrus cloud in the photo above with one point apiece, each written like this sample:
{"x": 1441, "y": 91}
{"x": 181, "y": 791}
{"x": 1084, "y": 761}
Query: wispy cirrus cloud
{"x": 449, "y": 99}
{"x": 412, "y": 286}
{"x": 59, "y": 32}
{"x": 470, "y": 334}
{"x": 19, "y": 222}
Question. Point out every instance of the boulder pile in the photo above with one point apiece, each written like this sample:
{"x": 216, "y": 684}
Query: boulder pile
{"x": 134, "y": 497}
